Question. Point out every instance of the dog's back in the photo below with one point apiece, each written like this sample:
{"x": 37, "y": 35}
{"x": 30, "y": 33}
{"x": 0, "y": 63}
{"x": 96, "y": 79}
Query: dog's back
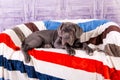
{"x": 48, "y": 35}
{"x": 38, "y": 39}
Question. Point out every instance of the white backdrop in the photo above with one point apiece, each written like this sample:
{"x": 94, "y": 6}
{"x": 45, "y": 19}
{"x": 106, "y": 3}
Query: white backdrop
{"x": 14, "y": 12}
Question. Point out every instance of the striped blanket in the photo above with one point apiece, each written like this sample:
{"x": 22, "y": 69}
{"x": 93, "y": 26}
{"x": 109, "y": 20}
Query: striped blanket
{"x": 56, "y": 64}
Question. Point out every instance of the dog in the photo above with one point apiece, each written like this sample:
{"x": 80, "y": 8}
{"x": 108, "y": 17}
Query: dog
{"x": 69, "y": 36}
{"x": 65, "y": 37}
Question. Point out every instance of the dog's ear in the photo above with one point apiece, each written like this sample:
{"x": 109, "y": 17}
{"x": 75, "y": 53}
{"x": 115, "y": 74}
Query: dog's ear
{"x": 79, "y": 31}
{"x": 59, "y": 29}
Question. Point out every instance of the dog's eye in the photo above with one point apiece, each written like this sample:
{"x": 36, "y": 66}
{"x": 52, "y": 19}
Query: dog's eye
{"x": 64, "y": 29}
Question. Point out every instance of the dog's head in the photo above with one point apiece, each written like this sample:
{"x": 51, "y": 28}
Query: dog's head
{"x": 69, "y": 32}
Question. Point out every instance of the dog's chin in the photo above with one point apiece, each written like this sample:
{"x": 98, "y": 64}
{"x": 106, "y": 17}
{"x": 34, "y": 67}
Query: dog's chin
{"x": 69, "y": 43}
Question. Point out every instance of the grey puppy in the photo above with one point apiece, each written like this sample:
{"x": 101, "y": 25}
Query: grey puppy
{"x": 68, "y": 33}
{"x": 69, "y": 36}
{"x": 66, "y": 37}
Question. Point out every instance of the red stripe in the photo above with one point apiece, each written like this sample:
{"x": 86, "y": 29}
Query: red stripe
{"x": 66, "y": 60}
{"x": 77, "y": 63}
{"x": 4, "y": 38}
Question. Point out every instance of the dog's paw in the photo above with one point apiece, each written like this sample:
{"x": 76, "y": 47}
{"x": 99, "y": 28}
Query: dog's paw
{"x": 47, "y": 46}
{"x": 71, "y": 52}
{"x": 27, "y": 59}
{"x": 26, "y": 56}
{"x": 90, "y": 54}
{"x": 90, "y": 51}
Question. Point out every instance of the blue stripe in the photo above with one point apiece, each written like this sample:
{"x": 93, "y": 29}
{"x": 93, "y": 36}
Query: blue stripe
{"x": 86, "y": 26}
{"x": 1, "y": 78}
{"x": 4, "y": 79}
{"x": 91, "y": 25}
{"x": 52, "y": 25}
{"x": 15, "y": 65}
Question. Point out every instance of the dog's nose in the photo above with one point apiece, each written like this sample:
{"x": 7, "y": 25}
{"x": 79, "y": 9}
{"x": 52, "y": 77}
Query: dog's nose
{"x": 67, "y": 37}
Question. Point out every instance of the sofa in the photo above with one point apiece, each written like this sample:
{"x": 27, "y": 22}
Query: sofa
{"x": 56, "y": 64}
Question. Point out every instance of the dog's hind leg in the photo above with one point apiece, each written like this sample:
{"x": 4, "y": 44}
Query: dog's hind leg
{"x": 24, "y": 49}
{"x": 30, "y": 44}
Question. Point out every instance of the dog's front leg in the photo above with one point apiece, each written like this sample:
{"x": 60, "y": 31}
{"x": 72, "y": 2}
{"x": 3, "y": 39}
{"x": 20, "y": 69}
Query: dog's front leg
{"x": 87, "y": 49}
{"x": 69, "y": 49}
{"x": 58, "y": 43}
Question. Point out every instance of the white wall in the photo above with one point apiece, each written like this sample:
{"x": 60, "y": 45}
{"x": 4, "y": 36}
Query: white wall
{"x": 14, "y": 12}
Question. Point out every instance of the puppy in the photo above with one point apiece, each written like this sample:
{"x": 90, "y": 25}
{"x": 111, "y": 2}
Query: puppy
{"x": 69, "y": 36}
{"x": 66, "y": 37}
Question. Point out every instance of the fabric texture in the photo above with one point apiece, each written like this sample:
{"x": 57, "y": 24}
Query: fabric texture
{"x": 56, "y": 64}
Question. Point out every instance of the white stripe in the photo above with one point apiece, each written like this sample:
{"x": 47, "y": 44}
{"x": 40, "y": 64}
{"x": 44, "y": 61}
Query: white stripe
{"x": 9, "y": 53}
{"x": 112, "y": 37}
{"x": 99, "y": 56}
{"x": 93, "y": 33}
{"x": 24, "y": 29}
{"x": 40, "y": 25}
{"x": 13, "y": 37}
{"x": 115, "y": 62}
{"x": 64, "y": 72}
{"x": 1, "y": 72}
{"x": 1, "y": 48}
{"x": 14, "y": 75}
{"x": 75, "y": 20}
{"x": 6, "y": 51}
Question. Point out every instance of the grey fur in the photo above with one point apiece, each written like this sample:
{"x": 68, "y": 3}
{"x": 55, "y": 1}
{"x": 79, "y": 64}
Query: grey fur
{"x": 66, "y": 37}
{"x": 43, "y": 39}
